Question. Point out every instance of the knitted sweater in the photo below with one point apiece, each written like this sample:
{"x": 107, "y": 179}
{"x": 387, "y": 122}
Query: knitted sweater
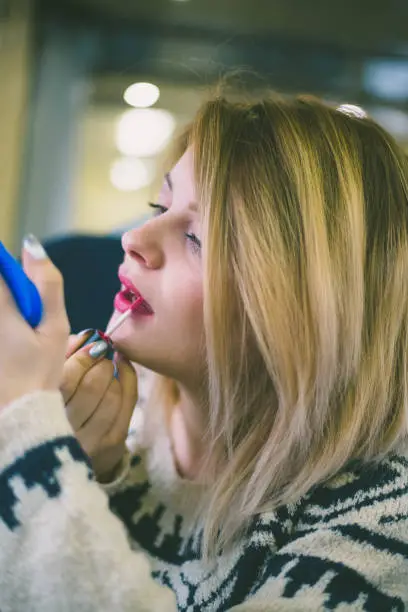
{"x": 69, "y": 545}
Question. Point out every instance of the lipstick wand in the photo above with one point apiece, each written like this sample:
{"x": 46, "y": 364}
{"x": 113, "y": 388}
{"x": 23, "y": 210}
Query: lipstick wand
{"x": 112, "y": 328}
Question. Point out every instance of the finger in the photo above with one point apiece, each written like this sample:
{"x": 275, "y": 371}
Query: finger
{"x": 94, "y": 386}
{"x": 75, "y": 341}
{"x": 128, "y": 383}
{"x": 48, "y": 280}
{"x": 75, "y": 368}
{"x": 101, "y": 420}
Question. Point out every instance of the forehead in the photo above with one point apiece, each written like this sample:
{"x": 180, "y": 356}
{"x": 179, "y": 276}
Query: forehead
{"x": 182, "y": 176}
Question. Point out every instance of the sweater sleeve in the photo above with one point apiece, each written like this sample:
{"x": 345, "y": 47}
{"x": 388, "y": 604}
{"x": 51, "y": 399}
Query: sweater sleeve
{"x": 352, "y": 560}
{"x": 61, "y": 547}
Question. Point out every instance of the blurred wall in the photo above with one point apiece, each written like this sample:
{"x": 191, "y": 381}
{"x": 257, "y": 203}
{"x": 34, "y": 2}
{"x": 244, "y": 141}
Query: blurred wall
{"x": 14, "y": 76}
{"x": 58, "y": 101}
{"x": 101, "y": 205}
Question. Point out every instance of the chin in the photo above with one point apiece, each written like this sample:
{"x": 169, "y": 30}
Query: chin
{"x": 126, "y": 347}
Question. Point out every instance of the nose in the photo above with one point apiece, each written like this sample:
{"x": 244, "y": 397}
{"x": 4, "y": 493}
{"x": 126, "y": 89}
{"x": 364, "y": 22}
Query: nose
{"x": 142, "y": 245}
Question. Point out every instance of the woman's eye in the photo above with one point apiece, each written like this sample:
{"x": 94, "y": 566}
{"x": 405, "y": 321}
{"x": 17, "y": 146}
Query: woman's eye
{"x": 193, "y": 239}
{"x": 195, "y": 242}
{"x": 159, "y": 209}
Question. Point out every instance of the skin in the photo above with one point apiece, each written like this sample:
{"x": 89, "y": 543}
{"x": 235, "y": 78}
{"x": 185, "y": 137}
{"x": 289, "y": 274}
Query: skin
{"x": 165, "y": 265}
{"x": 32, "y": 360}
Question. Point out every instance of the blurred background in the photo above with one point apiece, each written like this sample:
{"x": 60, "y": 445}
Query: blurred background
{"x": 91, "y": 91}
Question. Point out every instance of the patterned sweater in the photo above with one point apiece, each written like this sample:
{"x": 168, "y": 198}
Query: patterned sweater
{"x": 68, "y": 544}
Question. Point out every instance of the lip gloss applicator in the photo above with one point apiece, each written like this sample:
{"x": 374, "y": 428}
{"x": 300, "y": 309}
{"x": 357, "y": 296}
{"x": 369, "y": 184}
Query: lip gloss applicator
{"x": 112, "y": 328}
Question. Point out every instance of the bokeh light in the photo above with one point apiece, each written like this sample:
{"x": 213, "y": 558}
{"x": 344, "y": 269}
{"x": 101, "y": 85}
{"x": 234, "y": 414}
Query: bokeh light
{"x": 144, "y": 132}
{"x": 131, "y": 174}
{"x": 141, "y": 95}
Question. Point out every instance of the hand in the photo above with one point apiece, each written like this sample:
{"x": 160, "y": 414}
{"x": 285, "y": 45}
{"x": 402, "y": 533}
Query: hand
{"x": 32, "y": 360}
{"x": 99, "y": 407}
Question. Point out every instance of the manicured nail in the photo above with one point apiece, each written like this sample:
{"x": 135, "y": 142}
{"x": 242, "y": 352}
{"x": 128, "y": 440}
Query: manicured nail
{"x": 85, "y": 332}
{"x": 34, "y": 247}
{"x": 85, "y": 337}
{"x": 98, "y": 349}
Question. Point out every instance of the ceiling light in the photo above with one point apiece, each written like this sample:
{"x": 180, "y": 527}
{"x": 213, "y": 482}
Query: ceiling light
{"x": 144, "y": 132}
{"x": 141, "y": 95}
{"x": 131, "y": 174}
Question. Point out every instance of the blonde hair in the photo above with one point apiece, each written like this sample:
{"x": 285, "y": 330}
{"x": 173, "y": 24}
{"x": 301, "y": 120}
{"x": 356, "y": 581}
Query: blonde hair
{"x": 305, "y": 256}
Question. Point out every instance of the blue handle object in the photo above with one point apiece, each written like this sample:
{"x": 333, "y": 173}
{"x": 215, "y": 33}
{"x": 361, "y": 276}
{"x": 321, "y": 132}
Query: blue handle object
{"x": 23, "y": 290}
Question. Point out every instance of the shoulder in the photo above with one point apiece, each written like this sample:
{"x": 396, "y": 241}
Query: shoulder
{"x": 375, "y": 495}
{"x": 344, "y": 543}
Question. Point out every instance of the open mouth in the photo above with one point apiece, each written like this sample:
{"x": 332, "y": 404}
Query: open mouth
{"x": 130, "y": 297}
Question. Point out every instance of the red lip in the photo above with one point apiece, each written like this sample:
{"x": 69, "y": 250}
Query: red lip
{"x": 125, "y": 297}
{"x": 129, "y": 285}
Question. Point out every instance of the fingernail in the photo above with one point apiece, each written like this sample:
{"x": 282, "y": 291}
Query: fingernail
{"x": 85, "y": 332}
{"x": 34, "y": 247}
{"x": 98, "y": 349}
{"x": 85, "y": 337}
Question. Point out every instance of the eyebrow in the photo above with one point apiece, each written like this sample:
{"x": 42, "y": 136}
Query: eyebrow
{"x": 193, "y": 205}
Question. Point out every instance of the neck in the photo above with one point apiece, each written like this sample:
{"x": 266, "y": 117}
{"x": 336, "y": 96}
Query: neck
{"x": 186, "y": 425}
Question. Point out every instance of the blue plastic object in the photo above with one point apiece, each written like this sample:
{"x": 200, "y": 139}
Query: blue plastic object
{"x": 23, "y": 290}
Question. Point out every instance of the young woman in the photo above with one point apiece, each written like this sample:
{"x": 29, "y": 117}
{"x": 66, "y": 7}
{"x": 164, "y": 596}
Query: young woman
{"x": 270, "y": 471}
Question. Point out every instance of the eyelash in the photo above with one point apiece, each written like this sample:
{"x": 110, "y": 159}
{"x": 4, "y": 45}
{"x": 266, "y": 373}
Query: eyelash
{"x": 160, "y": 210}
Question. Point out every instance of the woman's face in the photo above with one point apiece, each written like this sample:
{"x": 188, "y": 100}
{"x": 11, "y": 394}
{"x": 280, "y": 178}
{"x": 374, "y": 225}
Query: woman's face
{"x": 163, "y": 263}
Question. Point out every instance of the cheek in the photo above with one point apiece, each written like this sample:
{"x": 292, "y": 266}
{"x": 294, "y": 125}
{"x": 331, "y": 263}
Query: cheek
{"x": 195, "y": 298}
{"x": 182, "y": 289}
{"x": 190, "y": 304}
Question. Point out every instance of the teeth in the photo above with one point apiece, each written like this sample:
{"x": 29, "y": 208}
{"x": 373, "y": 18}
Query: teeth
{"x": 130, "y": 295}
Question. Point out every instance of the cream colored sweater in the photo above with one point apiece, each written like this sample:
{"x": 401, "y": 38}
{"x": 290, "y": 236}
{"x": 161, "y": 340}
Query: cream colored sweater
{"x": 69, "y": 545}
